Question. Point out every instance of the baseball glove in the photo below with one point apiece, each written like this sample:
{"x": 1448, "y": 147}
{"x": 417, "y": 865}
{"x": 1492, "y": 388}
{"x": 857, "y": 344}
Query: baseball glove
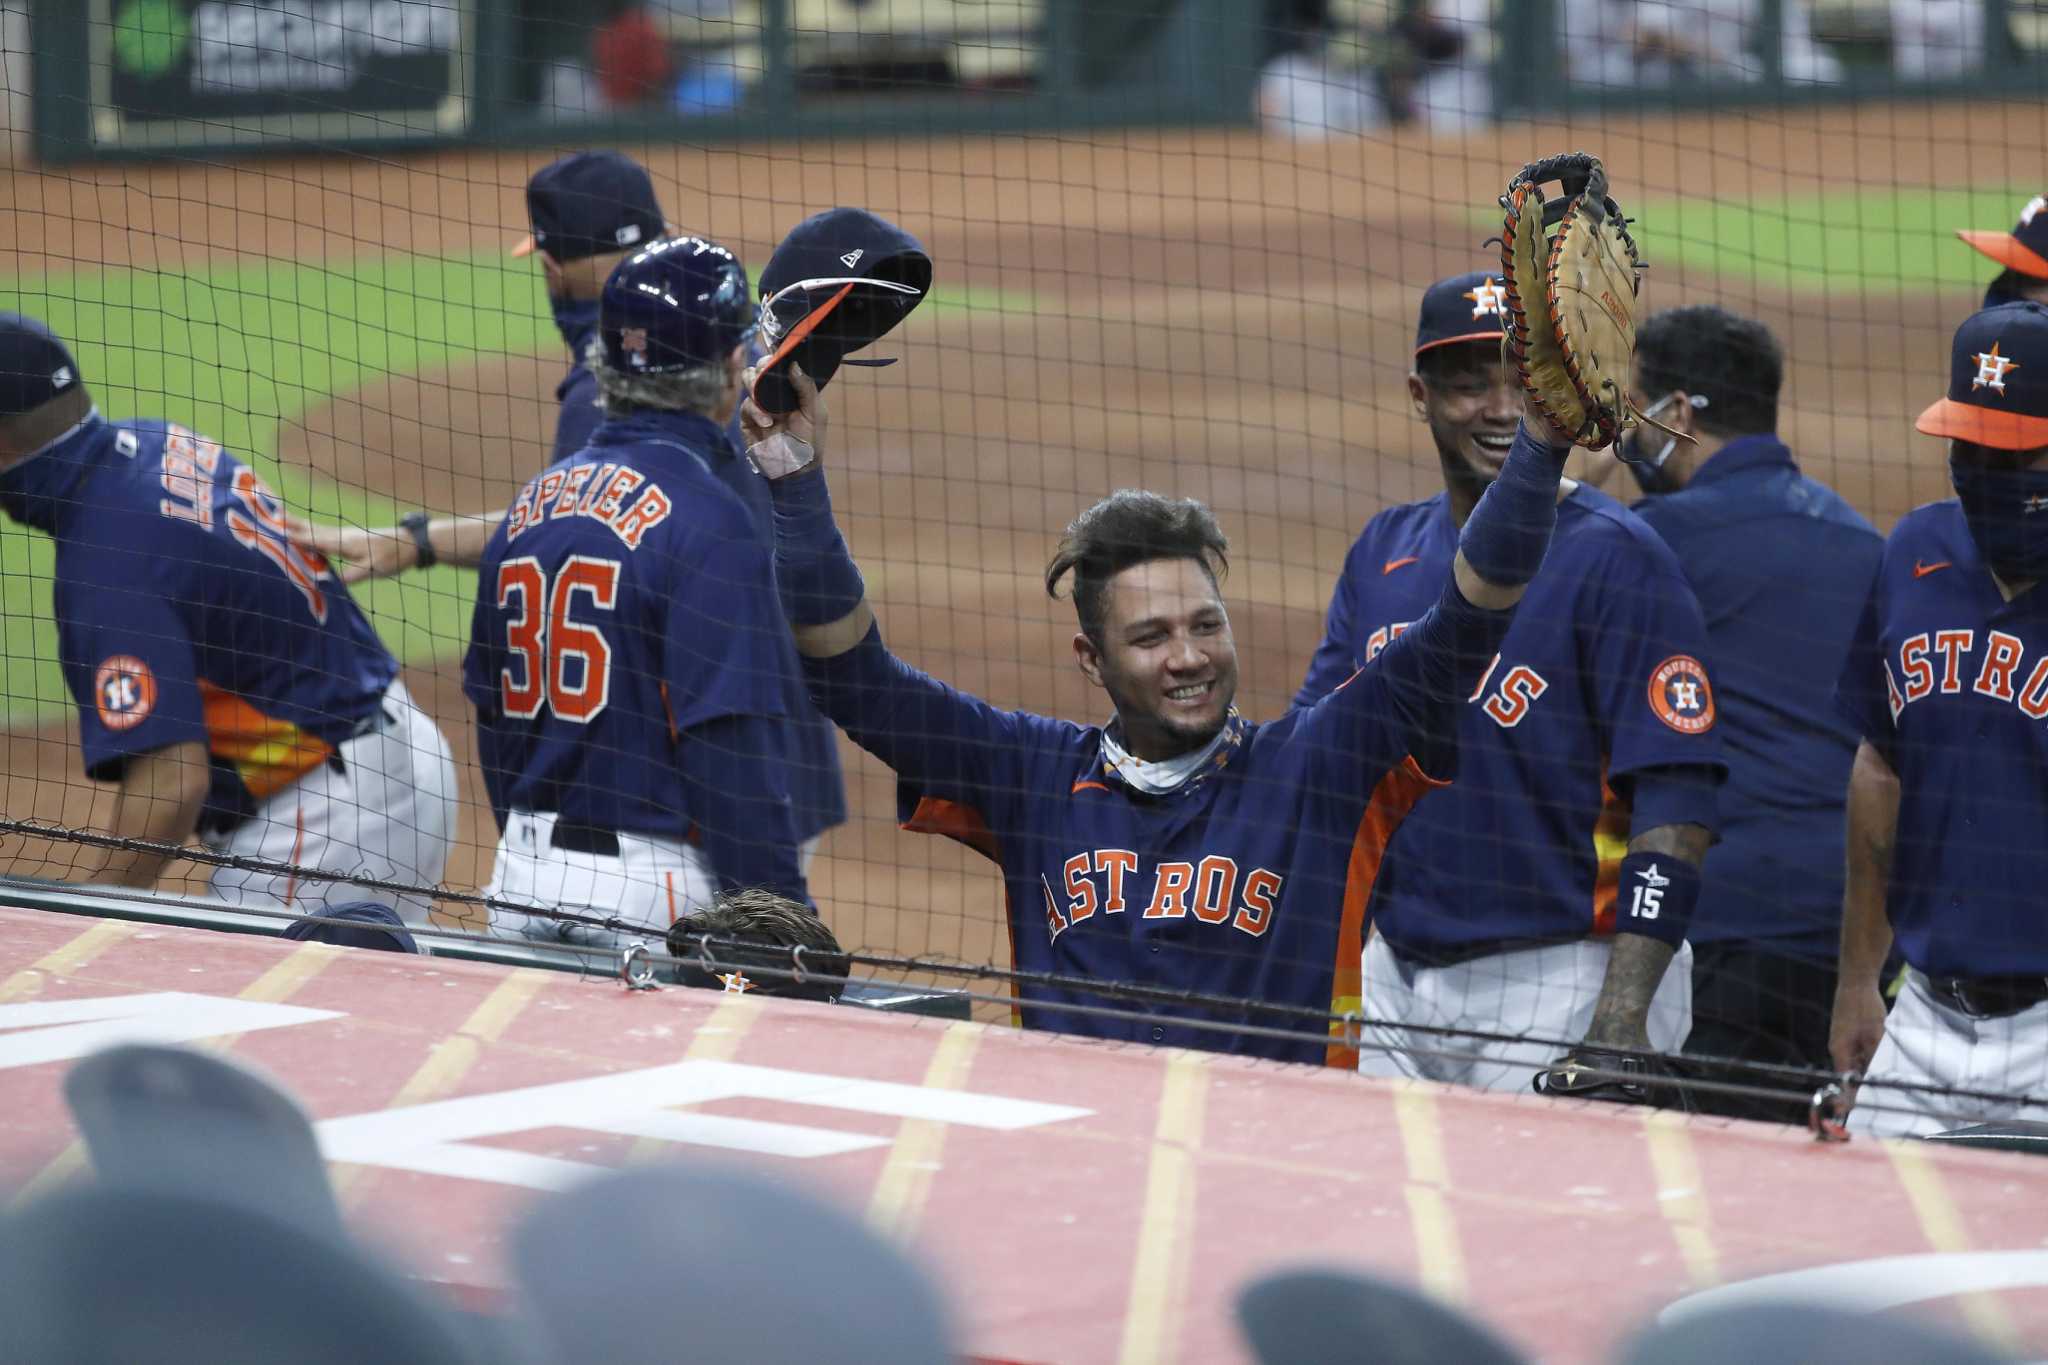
{"x": 1590, "y": 1073}
{"x": 759, "y": 942}
{"x": 1571, "y": 271}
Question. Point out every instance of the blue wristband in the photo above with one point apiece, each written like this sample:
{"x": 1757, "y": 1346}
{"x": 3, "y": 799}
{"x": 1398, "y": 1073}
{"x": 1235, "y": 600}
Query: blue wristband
{"x": 1656, "y": 897}
{"x": 1505, "y": 537}
{"x": 816, "y": 574}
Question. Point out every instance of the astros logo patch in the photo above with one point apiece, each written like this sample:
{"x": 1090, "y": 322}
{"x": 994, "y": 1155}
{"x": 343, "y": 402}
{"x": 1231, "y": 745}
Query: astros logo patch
{"x": 1992, "y": 368}
{"x": 1680, "y": 695}
{"x": 125, "y": 691}
{"x": 1488, "y": 299}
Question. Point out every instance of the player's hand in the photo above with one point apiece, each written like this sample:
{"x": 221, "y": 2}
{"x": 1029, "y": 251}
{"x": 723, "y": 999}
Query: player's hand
{"x": 789, "y": 444}
{"x": 1541, "y": 427}
{"x": 364, "y": 552}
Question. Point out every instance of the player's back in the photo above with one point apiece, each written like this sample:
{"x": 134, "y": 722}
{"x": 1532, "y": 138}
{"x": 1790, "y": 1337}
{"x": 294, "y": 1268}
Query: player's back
{"x": 169, "y": 516}
{"x": 587, "y": 661}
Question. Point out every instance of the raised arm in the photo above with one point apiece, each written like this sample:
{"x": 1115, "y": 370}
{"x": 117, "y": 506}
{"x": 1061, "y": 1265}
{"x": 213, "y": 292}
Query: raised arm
{"x": 1406, "y": 701}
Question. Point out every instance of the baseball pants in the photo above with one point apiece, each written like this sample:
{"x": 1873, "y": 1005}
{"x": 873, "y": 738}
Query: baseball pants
{"x": 1545, "y": 995}
{"x": 651, "y": 884}
{"x": 385, "y": 810}
{"x": 1928, "y": 1041}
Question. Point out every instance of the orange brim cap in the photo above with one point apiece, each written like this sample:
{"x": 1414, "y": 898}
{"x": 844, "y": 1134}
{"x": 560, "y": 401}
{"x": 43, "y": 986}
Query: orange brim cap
{"x": 1494, "y": 336}
{"x": 796, "y": 335}
{"x": 1984, "y": 426}
{"x": 2007, "y": 250}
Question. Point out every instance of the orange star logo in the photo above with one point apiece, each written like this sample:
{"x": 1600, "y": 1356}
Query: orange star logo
{"x": 1488, "y": 299}
{"x": 1992, "y": 368}
{"x": 634, "y": 339}
{"x": 736, "y": 983}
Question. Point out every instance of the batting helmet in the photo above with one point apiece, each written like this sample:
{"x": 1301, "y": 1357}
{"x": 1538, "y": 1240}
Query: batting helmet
{"x": 679, "y": 304}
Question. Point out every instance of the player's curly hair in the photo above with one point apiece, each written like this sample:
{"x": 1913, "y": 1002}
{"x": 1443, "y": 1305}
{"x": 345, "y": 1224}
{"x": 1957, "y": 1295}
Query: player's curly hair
{"x": 752, "y": 928}
{"x": 1732, "y": 361}
{"x": 1132, "y": 526}
{"x": 700, "y": 390}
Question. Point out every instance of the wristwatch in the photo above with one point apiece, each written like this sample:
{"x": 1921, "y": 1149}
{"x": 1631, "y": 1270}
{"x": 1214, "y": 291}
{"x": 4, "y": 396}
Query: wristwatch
{"x": 416, "y": 522}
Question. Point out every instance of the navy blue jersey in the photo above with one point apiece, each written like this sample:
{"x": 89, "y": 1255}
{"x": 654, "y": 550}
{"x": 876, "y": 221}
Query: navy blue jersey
{"x": 816, "y": 789}
{"x": 1949, "y": 681}
{"x": 185, "y": 615}
{"x": 1781, "y": 566}
{"x": 1250, "y": 881}
{"x": 626, "y": 598}
{"x": 1600, "y": 677}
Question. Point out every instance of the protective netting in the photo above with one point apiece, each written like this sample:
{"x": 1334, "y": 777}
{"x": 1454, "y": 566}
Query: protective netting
{"x": 1181, "y": 247}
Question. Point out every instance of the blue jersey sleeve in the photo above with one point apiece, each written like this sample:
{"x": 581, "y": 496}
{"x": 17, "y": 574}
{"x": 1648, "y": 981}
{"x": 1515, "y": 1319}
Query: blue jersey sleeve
{"x": 1643, "y": 644}
{"x": 964, "y": 766}
{"x": 1405, "y": 702}
{"x": 726, "y": 648}
{"x": 1864, "y": 694}
{"x": 128, "y": 661}
{"x": 1333, "y": 661}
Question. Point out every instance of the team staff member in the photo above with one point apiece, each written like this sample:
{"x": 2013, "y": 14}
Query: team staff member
{"x": 1947, "y": 682}
{"x": 631, "y": 671}
{"x": 223, "y": 678}
{"x": 2023, "y": 254}
{"x": 1179, "y": 845}
{"x": 1781, "y": 566}
{"x": 588, "y": 211}
{"x": 1545, "y": 894}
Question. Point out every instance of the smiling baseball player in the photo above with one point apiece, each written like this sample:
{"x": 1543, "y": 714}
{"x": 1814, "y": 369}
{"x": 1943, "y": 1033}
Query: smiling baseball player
{"x": 1179, "y": 845}
{"x": 1545, "y": 893}
{"x": 224, "y": 678}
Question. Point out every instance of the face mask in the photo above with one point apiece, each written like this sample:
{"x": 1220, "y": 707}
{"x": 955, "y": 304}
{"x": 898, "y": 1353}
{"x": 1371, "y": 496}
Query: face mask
{"x": 2007, "y": 510}
{"x": 1651, "y": 476}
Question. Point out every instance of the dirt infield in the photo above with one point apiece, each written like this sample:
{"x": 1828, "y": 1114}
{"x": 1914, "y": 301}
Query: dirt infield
{"x": 1217, "y": 315}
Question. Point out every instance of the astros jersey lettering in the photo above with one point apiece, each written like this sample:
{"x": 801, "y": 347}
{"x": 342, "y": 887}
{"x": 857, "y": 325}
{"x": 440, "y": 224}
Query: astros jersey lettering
{"x": 1601, "y": 676}
{"x": 625, "y": 598}
{"x": 1249, "y": 881}
{"x": 1949, "y": 681}
{"x": 184, "y": 614}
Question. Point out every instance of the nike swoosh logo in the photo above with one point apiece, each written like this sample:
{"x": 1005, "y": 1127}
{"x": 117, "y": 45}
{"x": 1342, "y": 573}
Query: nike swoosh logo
{"x": 1394, "y": 564}
{"x": 1921, "y": 569}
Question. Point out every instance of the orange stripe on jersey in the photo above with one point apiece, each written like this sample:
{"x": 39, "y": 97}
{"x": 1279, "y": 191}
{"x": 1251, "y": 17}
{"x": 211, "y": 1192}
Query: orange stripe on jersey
{"x": 1389, "y": 805}
{"x": 269, "y": 755}
{"x": 1087, "y": 786}
{"x": 955, "y": 821}
{"x": 1610, "y": 846}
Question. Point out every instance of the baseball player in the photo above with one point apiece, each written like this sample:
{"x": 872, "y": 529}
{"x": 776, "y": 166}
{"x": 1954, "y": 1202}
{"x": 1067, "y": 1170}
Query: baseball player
{"x": 1780, "y": 565}
{"x": 630, "y": 668}
{"x": 1947, "y": 683}
{"x": 2022, "y": 254}
{"x": 223, "y": 678}
{"x": 1179, "y": 845}
{"x": 587, "y": 211}
{"x": 1547, "y": 891}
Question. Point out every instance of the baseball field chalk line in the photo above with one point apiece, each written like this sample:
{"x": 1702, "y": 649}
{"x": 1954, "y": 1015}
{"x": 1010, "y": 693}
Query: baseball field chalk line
{"x": 1682, "y": 1194}
{"x": 1165, "y": 1229}
{"x": 897, "y": 1205}
{"x": 1439, "y": 1258}
{"x": 273, "y": 987}
{"x": 455, "y": 1054}
{"x": 65, "y": 960}
{"x": 1942, "y": 1223}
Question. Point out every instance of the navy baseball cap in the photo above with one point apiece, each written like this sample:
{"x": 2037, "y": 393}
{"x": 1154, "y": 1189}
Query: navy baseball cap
{"x": 34, "y": 366}
{"x": 588, "y": 204}
{"x": 1997, "y": 381}
{"x": 1470, "y": 307}
{"x": 355, "y": 924}
{"x": 2025, "y": 248}
{"x": 838, "y": 282}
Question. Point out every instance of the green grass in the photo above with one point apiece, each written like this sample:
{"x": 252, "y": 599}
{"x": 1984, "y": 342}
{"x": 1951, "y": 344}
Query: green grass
{"x": 1884, "y": 241}
{"x": 236, "y": 351}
